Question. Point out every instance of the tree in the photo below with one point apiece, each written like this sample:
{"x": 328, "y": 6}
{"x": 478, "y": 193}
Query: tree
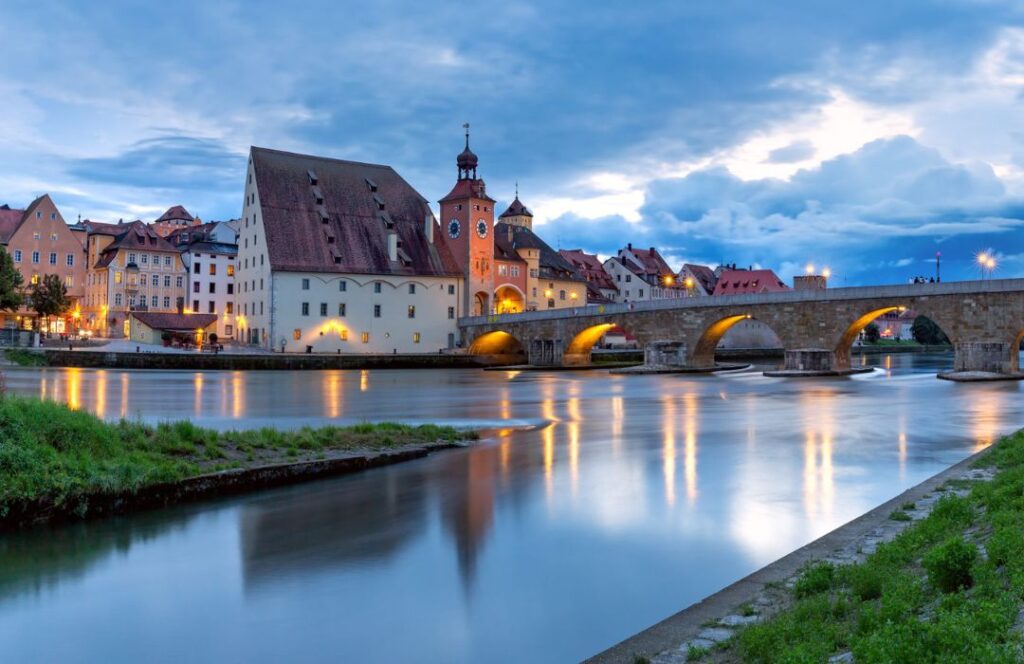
{"x": 925, "y": 331}
{"x": 872, "y": 333}
{"x": 11, "y": 296}
{"x": 49, "y": 297}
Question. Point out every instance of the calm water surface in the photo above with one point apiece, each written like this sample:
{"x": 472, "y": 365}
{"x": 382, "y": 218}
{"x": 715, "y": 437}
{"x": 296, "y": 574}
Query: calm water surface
{"x": 638, "y": 496}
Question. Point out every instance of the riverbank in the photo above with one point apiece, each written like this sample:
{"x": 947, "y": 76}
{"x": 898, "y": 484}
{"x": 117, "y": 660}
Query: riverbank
{"x": 59, "y": 464}
{"x": 933, "y": 575}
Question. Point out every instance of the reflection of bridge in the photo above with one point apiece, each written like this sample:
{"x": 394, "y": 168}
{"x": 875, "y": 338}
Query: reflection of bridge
{"x": 983, "y": 319}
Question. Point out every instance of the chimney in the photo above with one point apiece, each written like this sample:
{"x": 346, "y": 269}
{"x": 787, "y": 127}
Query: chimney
{"x": 428, "y": 227}
{"x": 392, "y": 246}
{"x": 629, "y": 246}
{"x": 651, "y": 252}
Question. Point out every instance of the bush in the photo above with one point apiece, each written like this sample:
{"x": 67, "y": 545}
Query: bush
{"x": 1006, "y": 545}
{"x": 949, "y": 564}
{"x": 816, "y": 579}
{"x": 865, "y": 582}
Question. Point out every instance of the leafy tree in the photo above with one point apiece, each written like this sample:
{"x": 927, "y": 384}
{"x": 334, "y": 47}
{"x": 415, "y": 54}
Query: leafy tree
{"x": 10, "y": 283}
{"x": 872, "y": 334}
{"x": 49, "y": 297}
{"x": 925, "y": 331}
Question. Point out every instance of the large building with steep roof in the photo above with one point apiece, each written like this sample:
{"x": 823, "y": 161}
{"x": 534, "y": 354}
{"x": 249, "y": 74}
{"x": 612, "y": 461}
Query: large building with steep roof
{"x": 175, "y": 218}
{"x": 341, "y": 256}
{"x": 41, "y": 243}
{"x": 600, "y": 285}
{"x": 130, "y": 268}
{"x": 642, "y": 274}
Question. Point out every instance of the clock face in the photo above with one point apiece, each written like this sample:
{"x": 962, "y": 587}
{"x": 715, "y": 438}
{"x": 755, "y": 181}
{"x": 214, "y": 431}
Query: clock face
{"x": 481, "y": 228}
{"x": 454, "y": 228}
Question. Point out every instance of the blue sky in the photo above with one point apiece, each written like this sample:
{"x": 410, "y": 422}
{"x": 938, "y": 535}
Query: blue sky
{"x": 864, "y": 136}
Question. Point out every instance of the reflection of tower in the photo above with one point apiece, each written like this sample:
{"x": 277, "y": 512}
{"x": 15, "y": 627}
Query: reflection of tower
{"x": 467, "y": 214}
{"x": 468, "y": 509}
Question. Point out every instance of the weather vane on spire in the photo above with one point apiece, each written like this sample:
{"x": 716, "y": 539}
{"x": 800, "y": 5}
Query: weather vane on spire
{"x": 517, "y": 188}
{"x": 465, "y": 125}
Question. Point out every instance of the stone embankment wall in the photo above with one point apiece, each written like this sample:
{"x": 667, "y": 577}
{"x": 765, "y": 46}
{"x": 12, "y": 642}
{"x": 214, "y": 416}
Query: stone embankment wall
{"x": 232, "y": 361}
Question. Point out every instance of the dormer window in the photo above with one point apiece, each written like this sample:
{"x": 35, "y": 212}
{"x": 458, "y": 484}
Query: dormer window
{"x": 371, "y": 184}
{"x": 324, "y": 218}
{"x": 312, "y": 177}
{"x": 386, "y": 218}
{"x": 318, "y": 196}
{"x": 379, "y": 201}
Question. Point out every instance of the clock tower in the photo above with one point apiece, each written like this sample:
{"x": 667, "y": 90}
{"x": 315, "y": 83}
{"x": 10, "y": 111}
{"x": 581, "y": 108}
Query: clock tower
{"x": 467, "y": 216}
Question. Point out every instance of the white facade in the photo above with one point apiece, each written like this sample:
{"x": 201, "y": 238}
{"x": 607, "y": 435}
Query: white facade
{"x": 358, "y": 313}
{"x": 252, "y": 276}
{"x": 632, "y": 287}
{"x": 211, "y": 288}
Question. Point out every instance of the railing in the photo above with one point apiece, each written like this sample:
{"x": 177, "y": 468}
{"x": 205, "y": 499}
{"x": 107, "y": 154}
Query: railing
{"x": 782, "y": 297}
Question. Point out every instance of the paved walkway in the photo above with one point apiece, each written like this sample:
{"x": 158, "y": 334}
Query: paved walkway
{"x": 129, "y": 346}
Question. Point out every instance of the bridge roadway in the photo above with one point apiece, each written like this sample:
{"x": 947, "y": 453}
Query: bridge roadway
{"x": 983, "y": 319}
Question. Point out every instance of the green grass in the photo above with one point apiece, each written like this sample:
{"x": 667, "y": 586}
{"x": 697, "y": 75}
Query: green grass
{"x": 53, "y": 453}
{"x": 926, "y": 596}
{"x": 25, "y": 358}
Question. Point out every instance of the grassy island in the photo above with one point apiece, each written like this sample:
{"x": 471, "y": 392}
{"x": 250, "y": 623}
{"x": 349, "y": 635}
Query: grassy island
{"x": 949, "y": 588}
{"x": 55, "y": 459}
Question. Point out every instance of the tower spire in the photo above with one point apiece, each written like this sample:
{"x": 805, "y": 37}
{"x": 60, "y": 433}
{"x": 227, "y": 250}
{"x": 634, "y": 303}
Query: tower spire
{"x": 465, "y": 125}
{"x": 467, "y": 161}
{"x": 517, "y": 188}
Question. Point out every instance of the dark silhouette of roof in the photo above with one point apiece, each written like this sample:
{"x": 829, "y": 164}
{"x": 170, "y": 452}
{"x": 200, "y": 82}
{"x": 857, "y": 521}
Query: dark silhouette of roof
{"x": 703, "y": 274}
{"x": 516, "y": 209}
{"x": 175, "y": 213}
{"x": 331, "y": 215}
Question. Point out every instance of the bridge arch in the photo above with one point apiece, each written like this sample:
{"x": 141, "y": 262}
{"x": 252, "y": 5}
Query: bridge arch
{"x": 499, "y": 345}
{"x": 509, "y": 299}
{"x": 577, "y": 351}
{"x": 703, "y": 352}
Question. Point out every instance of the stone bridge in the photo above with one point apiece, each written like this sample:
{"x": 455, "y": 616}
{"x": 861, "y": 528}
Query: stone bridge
{"x": 983, "y": 319}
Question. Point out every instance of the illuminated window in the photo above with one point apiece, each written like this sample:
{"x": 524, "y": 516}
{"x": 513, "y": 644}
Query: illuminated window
{"x": 297, "y": 334}
{"x": 415, "y": 337}
{"x": 213, "y": 268}
{"x": 366, "y": 337}
{"x": 69, "y": 281}
{"x": 117, "y": 277}
{"x": 35, "y": 278}
{"x": 412, "y": 311}
{"x": 231, "y": 270}
{"x": 343, "y": 335}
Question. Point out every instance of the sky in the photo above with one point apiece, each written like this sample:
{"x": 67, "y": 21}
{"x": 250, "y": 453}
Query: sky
{"x": 863, "y": 136}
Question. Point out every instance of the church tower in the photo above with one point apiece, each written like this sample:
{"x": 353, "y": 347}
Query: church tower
{"x": 467, "y": 216}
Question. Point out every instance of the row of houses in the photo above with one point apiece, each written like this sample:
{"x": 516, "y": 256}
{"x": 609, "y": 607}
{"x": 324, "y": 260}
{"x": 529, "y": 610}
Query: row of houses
{"x": 330, "y": 255}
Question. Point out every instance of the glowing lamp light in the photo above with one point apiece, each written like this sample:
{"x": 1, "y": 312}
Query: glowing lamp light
{"x": 573, "y": 296}
{"x": 689, "y": 282}
{"x": 826, "y": 273}
{"x": 669, "y": 279}
{"x": 990, "y": 263}
{"x": 809, "y": 269}
{"x": 983, "y": 258}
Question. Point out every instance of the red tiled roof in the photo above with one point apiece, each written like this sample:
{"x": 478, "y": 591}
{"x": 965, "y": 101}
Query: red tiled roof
{"x": 135, "y": 235}
{"x": 737, "y": 282}
{"x": 9, "y": 221}
{"x": 652, "y": 262}
{"x": 102, "y": 228}
{"x": 174, "y": 321}
{"x": 174, "y": 213}
{"x": 468, "y": 189}
{"x": 551, "y": 264}
{"x": 590, "y": 266}
{"x": 353, "y": 194}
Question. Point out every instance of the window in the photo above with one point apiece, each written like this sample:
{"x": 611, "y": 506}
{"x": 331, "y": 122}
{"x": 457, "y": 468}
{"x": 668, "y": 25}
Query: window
{"x": 342, "y": 286}
{"x": 117, "y": 277}
{"x": 412, "y": 311}
{"x": 117, "y": 299}
{"x": 365, "y": 337}
{"x": 231, "y": 289}
{"x": 53, "y": 217}
{"x": 209, "y": 307}
{"x": 305, "y": 284}
{"x": 376, "y": 287}
{"x": 261, "y": 259}
{"x": 213, "y": 287}
{"x": 195, "y": 286}
{"x": 323, "y": 308}
{"x": 131, "y": 258}
{"x": 415, "y": 337}
{"x": 341, "y": 309}
{"x": 297, "y": 334}
{"x": 261, "y": 283}
{"x": 195, "y": 268}
{"x": 376, "y": 311}
{"x": 145, "y": 259}
{"x": 69, "y": 281}
{"x": 246, "y": 263}
{"x": 17, "y": 255}
{"x": 514, "y": 270}
{"x": 53, "y": 258}
{"x": 154, "y": 302}
{"x": 167, "y": 261}
{"x": 412, "y": 289}
{"x": 195, "y": 306}
{"x": 35, "y": 258}
{"x": 179, "y": 281}
{"x": 213, "y": 268}
{"x": 36, "y": 236}
{"x": 231, "y": 270}
{"x": 551, "y": 303}
{"x": 167, "y": 302}
{"x": 503, "y": 270}
{"x": 451, "y": 289}
{"x": 228, "y": 330}
{"x": 167, "y": 281}
{"x": 629, "y": 278}
{"x": 131, "y": 300}
{"x": 261, "y": 308}
{"x": 641, "y": 293}
{"x": 142, "y": 279}
{"x": 305, "y": 308}
{"x": 451, "y": 313}
{"x": 561, "y": 295}
{"x": 343, "y": 335}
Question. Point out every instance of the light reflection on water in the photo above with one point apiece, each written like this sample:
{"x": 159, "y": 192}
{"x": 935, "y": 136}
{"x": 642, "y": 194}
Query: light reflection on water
{"x": 638, "y": 496}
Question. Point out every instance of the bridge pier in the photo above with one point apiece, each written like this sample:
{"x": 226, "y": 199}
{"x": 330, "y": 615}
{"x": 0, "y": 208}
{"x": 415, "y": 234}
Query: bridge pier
{"x": 807, "y": 362}
{"x": 544, "y": 353}
{"x": 983, "y": 360}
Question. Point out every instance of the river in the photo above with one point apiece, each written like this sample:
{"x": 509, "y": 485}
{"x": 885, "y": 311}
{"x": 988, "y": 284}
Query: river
{"x": 636, "y": 496}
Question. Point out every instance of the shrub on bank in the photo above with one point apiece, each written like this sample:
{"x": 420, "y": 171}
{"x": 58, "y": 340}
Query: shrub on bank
{"x": 949, "y": 564}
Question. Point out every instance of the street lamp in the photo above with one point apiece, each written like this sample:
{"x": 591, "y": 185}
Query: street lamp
{"x": 809, "y": 269}
{"x": 826, "y": 273}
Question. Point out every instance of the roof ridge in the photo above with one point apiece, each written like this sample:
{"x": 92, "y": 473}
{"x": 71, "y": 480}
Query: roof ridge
{"x": 256, "y": 148}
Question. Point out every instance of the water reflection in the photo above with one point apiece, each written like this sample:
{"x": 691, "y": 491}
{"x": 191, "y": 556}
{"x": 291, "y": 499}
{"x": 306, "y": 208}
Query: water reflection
{"x": 636, "y": 496}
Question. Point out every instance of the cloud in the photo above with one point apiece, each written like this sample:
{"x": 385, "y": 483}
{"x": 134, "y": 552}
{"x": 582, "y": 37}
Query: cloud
{"x": 796, "y": 151}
